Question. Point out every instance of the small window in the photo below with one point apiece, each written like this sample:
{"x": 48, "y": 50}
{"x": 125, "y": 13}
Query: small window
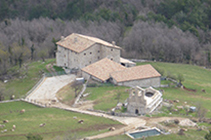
{"x": 64, "y": 64}
{"x": 111, "y": 58}
{"x": 84, "y": 53}
{"x": 65, "y": 55}
{"x": 98, "y": 57}
{"x": 98, "y": 51}
{"x": 90, "y": 62}
{"x": 111, "y": 49}
{"x": 90, "y": 52}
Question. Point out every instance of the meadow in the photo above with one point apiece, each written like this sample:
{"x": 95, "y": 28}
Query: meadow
{"x": 59, "y": 123}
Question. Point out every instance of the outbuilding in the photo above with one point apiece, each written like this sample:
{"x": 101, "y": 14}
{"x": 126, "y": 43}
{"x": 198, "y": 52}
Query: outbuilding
{"x": 143, "y": 76}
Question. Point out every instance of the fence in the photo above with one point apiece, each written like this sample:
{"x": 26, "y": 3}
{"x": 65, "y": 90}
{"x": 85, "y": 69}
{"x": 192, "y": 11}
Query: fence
{"x": 7, "y": 101}
{"x": 55, "y": 73}
{"x": 37, "y": 84}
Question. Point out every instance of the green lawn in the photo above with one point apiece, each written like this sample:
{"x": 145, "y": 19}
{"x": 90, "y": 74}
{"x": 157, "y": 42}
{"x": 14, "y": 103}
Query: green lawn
{"x": 58, "y": 122}
{"x": 106, "y": 97}
{"x": 20, "y": 86}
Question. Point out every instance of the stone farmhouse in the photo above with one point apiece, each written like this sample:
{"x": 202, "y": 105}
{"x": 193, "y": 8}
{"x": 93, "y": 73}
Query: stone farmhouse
{"x": 101, "y": 61}
{"x": 77, "y": 51}
{"x": 143, "y": 101}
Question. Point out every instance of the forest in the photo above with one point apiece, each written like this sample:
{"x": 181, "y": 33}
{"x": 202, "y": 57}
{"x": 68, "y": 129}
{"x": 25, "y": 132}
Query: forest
{"x": 177, "y": 31}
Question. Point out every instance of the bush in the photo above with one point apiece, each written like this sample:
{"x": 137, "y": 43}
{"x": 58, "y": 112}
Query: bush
{"x": 31, "y": 136}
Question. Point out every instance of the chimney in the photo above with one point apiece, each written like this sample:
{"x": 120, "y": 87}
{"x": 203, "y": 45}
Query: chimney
{"x": 113, "y": 43}
{"x": 62, "y": 38}
{"x": 75, "y": 39}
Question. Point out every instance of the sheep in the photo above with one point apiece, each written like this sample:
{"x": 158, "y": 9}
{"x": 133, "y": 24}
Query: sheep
{"x": 5, "y": 130}
{"x": 12, "y": 130}
{"x": 2, "y": 125}
{"x": 5, "y": 121}
{"x": 22, "y": 111}
{"x": 111, "y": 129}
{"x": 42, "y": 124}
{"x": 81, "y": 121}
{"x": 14, "y": 126}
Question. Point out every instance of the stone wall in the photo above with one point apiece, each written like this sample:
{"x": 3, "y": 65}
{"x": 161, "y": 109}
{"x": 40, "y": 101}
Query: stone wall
{"x": 154, "y": 82}
{"x": 71, "y": 59}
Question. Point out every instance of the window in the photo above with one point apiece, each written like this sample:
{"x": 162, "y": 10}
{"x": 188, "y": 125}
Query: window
{"x": 84, "y": 53}
{"x": 90, "y": 52}
{"x": 98, "y": 57}
{"x": 111, "y": 58}
{"x": 65, "y": 55}
{"x": 111, "y": 49}
{"x": 90, "y": 62}
{"x": 98, "y": 51}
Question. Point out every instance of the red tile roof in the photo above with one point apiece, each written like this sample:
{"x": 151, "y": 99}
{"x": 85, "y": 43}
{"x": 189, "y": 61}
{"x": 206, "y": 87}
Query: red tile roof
{"x": 102, "y": 69}
{"x": 79, "y": 43}
{"x": 135, "y": 73}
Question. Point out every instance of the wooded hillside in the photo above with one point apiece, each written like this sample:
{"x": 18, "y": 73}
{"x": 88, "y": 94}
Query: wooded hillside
{"x": 163, "y": 30}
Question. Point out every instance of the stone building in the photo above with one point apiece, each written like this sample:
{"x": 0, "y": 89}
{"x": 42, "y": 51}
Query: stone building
{"x": 143, "y": 76}
{"x": 143, "y": 101}
{"x": 78, "y": 51}
{"x": 100, "y": 70}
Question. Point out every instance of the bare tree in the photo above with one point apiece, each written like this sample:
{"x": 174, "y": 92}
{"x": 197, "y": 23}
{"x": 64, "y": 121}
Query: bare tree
{"x": 76, "y": 85}
{"x": 2, "y": 91}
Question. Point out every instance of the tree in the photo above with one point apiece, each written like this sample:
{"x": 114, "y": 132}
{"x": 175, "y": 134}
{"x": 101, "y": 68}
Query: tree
{"x": 31, "y": 136}
{"x": 2, "y": 91}
{"x": 180, "y": 78}
{"x": 4, "y": 63}
{"x": 201, "y": 111}
{"x": 42, "y": 54}
{"x": 76, "y": 85}
{"x": 32, "y": 51}
{"x": 208, "y": 136}
{"x": 118, "y": 96}
{"x": 19, "y": 53}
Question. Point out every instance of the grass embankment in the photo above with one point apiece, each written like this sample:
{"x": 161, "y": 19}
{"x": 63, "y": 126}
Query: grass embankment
{"x": 58, "y": 122}
{"x": 26, "y": 78}
{"x": 106, "y": 97}
{"x": 66, "y": 95}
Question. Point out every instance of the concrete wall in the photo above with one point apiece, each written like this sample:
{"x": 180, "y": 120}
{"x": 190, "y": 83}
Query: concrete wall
{"x": 154, "y": 82}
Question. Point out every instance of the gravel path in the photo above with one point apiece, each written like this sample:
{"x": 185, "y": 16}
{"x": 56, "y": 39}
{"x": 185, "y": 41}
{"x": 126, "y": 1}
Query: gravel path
{"x": 47, "y": 90}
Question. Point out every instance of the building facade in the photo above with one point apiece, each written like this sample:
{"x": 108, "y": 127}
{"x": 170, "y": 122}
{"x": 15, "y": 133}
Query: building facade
{"x": 78, "y": 51}
{"x": 143, "y": 101}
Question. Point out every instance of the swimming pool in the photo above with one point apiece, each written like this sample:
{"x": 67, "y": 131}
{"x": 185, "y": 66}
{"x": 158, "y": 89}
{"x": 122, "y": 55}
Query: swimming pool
{"x": 144, "y": 133}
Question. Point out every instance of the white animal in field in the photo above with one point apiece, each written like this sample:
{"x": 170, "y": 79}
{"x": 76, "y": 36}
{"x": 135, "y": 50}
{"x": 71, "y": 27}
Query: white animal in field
{"x": 42, "y": 124}
{"x": 22, "y": 111}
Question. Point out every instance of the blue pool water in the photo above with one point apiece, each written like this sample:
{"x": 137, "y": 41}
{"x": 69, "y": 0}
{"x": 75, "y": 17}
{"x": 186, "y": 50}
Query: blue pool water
{"x": 147, "y": 133}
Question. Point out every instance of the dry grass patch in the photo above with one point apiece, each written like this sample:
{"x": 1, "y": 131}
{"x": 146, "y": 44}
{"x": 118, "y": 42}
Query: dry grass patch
{"x": 66, "y": 95}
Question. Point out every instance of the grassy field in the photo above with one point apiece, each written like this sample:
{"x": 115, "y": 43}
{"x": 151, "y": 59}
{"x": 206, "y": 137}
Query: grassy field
{"x": 106, "y": 97}
{"x": 59, "y": 123}
{"x": 20, "y": 86}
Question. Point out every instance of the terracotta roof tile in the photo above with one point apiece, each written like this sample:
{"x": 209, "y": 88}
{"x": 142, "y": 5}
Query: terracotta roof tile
{"x": 102, "y": 69}
{"x": 79, "y": 43}
{"x": 135, "y": 73}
